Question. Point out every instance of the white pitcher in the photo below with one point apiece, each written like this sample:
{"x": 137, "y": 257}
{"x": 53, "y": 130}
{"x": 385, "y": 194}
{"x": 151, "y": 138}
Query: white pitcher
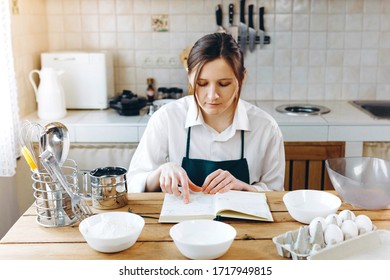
{"x": 49, "y": 94}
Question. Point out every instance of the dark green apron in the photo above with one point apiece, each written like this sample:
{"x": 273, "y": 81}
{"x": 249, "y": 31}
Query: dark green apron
{"x": 198, "y": 169}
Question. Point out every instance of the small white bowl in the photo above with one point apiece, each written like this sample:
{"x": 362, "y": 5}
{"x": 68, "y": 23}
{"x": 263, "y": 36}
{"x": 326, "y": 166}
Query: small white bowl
{"x": 203, "y": 239}
{"x": 305, "y": 205}
{"x": 112, "y": 231}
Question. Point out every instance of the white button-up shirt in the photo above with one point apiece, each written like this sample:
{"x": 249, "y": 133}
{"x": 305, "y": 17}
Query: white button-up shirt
{"x": 165, "y": 136}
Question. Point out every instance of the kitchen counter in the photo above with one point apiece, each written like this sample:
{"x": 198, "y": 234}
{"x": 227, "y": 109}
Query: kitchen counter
{"x": 345, "y": 122}
{"x": 100, "y": 126}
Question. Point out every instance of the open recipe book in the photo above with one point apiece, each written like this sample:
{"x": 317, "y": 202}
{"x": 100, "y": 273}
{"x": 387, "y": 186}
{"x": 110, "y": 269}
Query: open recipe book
{"x": 232, "y": 204}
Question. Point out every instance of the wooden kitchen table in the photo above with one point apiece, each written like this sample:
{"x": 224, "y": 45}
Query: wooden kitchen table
{"x": 27, "y": 240}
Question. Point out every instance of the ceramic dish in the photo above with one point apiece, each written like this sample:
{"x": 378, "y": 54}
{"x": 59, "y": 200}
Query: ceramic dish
{"x": 203, "y": 239}
{"x": 112, "y": 231}
{"x": 305, "y": 205}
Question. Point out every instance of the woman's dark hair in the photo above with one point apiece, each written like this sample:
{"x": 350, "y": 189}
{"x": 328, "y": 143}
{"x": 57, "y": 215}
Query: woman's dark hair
{"x": 214, "y": 46}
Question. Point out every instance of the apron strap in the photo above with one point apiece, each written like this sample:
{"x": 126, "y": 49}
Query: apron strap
{"x": 242, "y": 144}
{"x": 188, "y": 142}
{"x": 189, "y": 137}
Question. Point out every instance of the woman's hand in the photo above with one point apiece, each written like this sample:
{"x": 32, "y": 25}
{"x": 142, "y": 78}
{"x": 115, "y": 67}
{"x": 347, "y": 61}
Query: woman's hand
{"x": 172, "y": 176}
{"x": 222, "y": 181}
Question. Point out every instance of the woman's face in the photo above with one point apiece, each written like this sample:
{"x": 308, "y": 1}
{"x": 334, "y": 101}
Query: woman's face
{"x": 216, "y": 87}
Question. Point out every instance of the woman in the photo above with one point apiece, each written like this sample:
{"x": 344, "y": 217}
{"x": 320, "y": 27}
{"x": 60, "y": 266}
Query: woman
{"x": 210, "y": 138}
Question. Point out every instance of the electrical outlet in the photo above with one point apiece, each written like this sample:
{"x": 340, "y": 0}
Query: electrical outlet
{"x": 148, "y": 62}
{"x": 161, "y": 61}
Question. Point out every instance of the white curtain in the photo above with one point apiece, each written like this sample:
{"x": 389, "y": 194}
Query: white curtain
{"x": 9, "y": 111}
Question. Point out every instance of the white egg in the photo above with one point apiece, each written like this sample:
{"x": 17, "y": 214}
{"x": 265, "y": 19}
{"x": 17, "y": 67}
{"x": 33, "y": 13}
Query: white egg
{"x": 349, "y": 229}
{"x": 333, "y": 219}
{"x": 363, "y": 223}
{"x": 347, "y": 215}
{"x": 333, "y": 234}
{"x": 314, "y": 224}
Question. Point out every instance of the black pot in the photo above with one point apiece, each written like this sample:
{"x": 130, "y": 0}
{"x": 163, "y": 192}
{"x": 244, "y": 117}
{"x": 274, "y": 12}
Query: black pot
{"x": 128, "y": 103}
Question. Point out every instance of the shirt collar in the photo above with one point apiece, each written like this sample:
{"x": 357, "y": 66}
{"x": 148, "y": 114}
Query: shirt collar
{"x": 194, "y": 117}
{"x": 240, "y": 121}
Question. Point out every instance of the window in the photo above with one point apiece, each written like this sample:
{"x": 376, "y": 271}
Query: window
{"x": 9, "y": 111}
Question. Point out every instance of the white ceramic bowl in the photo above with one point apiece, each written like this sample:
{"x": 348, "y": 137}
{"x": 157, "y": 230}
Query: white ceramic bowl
{"x": 363, "y": 182}
{"x": 112, "y": 231}
{"x": 305, "y": 205}
{"x": 203, "y": 239}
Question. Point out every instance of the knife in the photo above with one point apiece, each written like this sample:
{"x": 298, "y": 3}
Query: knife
{"x": 218, "y": 16}
{"x": 243, "y": 27}
{"x": 261, "y": 27}
{"x": 233, "y": 29}
{"x": 251, "y": 30}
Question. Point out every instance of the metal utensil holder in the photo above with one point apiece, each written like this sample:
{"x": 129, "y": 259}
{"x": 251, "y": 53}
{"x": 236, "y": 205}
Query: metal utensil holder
{"x": 52, "y": 202}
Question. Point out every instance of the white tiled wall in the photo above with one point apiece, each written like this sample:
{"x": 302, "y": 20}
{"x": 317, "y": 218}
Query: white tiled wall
{"x": 321, "y": 49}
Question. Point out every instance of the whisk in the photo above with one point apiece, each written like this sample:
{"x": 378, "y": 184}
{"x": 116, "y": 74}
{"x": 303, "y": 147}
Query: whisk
{"x": 31, "y": 133}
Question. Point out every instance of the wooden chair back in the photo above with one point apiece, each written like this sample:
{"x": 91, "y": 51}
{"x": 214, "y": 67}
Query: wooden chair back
{"x": 305, "y": 164}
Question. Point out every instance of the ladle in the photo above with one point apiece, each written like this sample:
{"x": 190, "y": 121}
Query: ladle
{"x": 56, "y": 140}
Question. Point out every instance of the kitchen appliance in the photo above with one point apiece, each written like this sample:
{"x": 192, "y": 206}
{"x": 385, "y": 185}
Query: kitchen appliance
{"x": 49, "y": 94}
{"x": 128, "y": 103}
{"x": 88, "y": 78}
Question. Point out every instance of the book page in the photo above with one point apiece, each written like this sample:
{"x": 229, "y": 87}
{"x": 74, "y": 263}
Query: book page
{"x": 200, "y": 206}
{"x": 249, "y": 203}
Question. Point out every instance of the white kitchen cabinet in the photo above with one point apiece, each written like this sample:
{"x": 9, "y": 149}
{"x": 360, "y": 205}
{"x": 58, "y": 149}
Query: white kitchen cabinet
{"x": 105, "y": 134}
{"x": 94, "y": 155}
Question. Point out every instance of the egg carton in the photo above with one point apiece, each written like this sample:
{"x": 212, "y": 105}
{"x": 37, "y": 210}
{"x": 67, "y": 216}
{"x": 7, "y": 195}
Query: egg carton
{"x": 289, "y": 245}
{"x": 305, "y": 241}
